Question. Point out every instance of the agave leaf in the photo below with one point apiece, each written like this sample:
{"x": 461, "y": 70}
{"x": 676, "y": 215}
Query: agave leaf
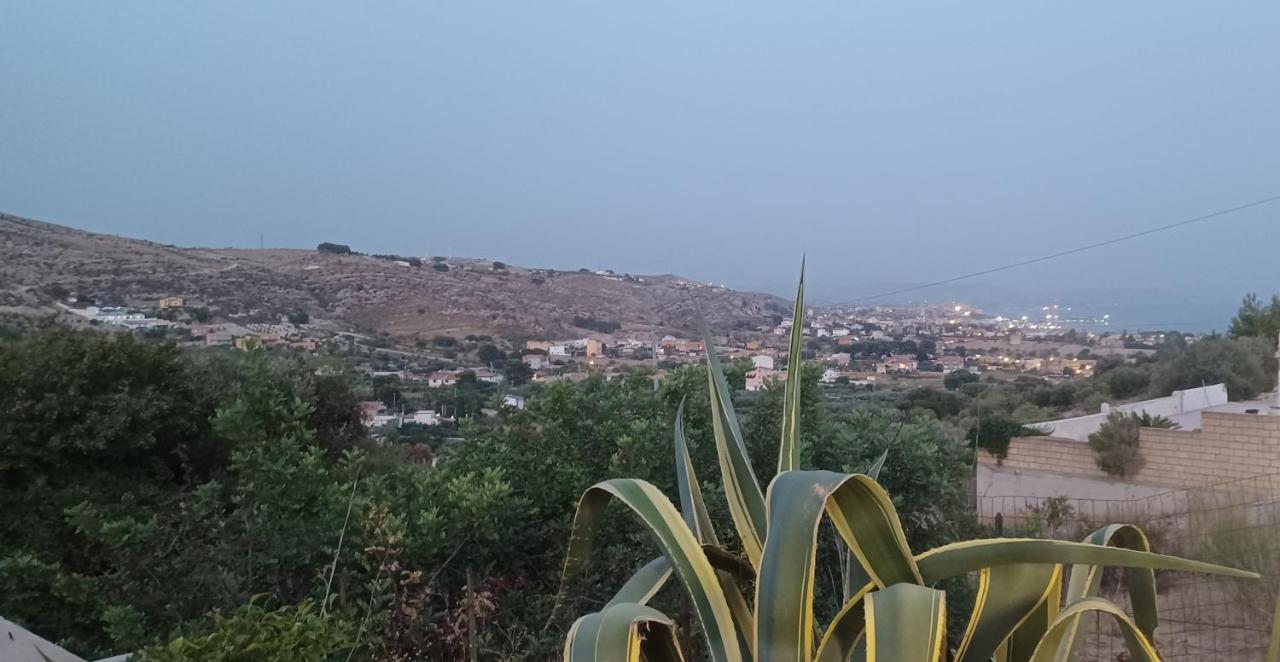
{"x": 789, "y": 448}
{"x": 623, "y": 632}
{"x": 1140, "y": 648}
{"x": 1007, "y": 596}
{"x": 646, "y": 583}
{"x": 694, "y": 509}
{"x": 864, "y": 516}
{"x": 785, "y": 587}
{"x": 692, "y": 506}
{"x": 846, "y": 630}
{"x": 852, "y": 575}
{"x": 1020, "y": 646}
{"x": 906, "y": 623}
{"x": 688, "y": 560}
{"x": 971, "y": 556}
{"x": 1086, "y": 580}
{"x": 741, "y": 489}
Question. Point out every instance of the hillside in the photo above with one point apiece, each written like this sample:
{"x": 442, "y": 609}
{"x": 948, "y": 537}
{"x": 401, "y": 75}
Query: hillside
{"x": 42, "y": 262}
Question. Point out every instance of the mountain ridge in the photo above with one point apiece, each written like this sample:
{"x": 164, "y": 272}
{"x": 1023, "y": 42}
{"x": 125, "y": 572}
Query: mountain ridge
{"x": 42, "y": 262}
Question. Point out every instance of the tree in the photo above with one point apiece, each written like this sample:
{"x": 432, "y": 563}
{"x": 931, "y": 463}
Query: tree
{"x": 954, "y": 380}
{"x": 299, "y": 317}
{"x": 1115, "y": 443}
{"x": 1125, "y": 382}
{"x": 1255, "y": 319}
{"x": 334, "y": 249}
{"x": 489, "y": 353}
{"x": 1247, "y": 366}
{"x": 993, "y": 433}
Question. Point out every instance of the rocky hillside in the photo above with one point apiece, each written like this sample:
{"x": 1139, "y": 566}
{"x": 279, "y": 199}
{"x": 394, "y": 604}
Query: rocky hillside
{"x": 41, "y": 263}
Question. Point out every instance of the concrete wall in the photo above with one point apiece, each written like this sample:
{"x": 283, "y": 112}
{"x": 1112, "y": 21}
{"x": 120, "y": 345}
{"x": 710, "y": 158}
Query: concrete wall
{"x": 1228, "y": 446}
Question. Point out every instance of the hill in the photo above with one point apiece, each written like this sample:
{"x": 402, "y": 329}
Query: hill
{"x": 41, "y": 263}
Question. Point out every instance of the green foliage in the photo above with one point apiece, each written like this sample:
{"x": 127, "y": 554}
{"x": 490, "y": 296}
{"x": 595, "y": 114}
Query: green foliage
{"x": 299, "y": 317}
{"x": 957, "y": 378}
{"x": 993, "y": 433}
{"x": 252, "y": 633}
{"x": 1246, "y": 365}
{"x": 335, "y": 249}
{"x": 489, "y": 353}
{"x": 1126, "y": 382}
{"x": 1115, "y": 443}
{"x": 1256, "y": 319}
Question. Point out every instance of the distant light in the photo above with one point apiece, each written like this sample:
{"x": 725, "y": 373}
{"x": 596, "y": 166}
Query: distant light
{"x": 957, "y": 309}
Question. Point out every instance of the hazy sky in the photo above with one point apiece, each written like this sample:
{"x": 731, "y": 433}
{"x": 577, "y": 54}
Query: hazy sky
{"x": 893, "y": 142}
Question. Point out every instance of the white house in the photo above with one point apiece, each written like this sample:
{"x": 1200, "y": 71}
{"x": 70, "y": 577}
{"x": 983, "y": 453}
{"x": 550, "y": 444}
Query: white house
{"x": 513, "y": 400}
{"x": 762, "y": 361}
{"x": 535, "y": 361}
{"x": 561, "y": 349}
{"x": 760, "y": 377}
{"x": 829, "y": 376}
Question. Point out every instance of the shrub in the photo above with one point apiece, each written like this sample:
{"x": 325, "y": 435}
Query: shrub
{"x": 335, "y": 249}
{"x": 253, "y": 633}
{"x": 1115, "y": 444}
{"x": 1126, "y": 382}
{"x": 954, "y": 380}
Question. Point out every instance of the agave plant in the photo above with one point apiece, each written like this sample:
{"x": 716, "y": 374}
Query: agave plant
{"x": 1026, "y": 608}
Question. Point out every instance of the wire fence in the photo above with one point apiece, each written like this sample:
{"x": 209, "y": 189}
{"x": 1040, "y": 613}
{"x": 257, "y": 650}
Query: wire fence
{"x": 1202, "y": 617}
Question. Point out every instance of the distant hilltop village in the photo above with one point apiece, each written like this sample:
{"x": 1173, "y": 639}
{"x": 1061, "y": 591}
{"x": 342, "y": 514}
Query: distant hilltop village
{"x": 859, "y": 346}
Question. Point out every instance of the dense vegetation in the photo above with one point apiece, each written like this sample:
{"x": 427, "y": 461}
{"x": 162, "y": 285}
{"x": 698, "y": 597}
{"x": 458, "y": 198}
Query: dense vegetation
{"x": 173, "y": 501}
{"x": 151, "y": 489}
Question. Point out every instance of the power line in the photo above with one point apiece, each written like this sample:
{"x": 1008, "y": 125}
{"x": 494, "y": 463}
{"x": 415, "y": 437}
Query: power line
{"x": 1072, "y": 251}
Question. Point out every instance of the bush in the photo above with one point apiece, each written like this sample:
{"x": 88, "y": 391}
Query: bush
{"x": 954, "y": 380}
{"x": 992, "y": 434}
{"x": 1246, "y": 365}
{"x": 1115, "y": 444}
{"x": 334, "y": 249}
{"x": 299, "y": 317}
{"x": 253, "y": 633}
{"x": 1126, "y": 382}
{"x": 440, "y": 266}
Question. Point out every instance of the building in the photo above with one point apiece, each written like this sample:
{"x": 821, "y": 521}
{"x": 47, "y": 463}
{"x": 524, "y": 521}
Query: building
{"x": 829, "y": 376}
{"x": 1182, "y": 407}
{"x": 594, "y": 348}
{"x": 168, "y": 303}
{"x": 513, "y": 400}
{"x": 760, "y": 377}
{"x": 442, "y": 379}
{"x": 950, "y": 364}
{"x": 535, "y": 361}
{"x": 539, "y": 345}
{"x": 762, "y": 361}
{"x": 898, "y": 363}
{"x": 841, "y": 359}
{"x": 489, "y": 376}
{"x": 560, "y": 349}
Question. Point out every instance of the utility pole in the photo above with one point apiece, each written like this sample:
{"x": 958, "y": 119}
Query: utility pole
{"x": 1275, "y": 400}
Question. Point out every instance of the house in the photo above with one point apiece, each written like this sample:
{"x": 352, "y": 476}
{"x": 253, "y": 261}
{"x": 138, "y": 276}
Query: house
{"x": 898, "y": 363}
{"x": 535, "y": 361}
{"x": 760, "y": 377}
{"x": 172, "y": 302}
{"x": 594, "y": 348}
{"x": 489, "y": 376}
{"x": 829, "y": 376}
{"x": 442, "y": 379}
{"x": 840, "y": 358}
{"x": 560, "y": 349}
{"x": 762, "y": 361}
{"x": 950, "y": 364}
{"x": 839, "y": 332}
{"x": 538, "y": 345}
{"x": 513, "y": 400}
{"x": 370, "y": 409}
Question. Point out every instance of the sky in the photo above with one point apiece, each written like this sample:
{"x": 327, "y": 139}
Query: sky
{"x": 891, "y": 143}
